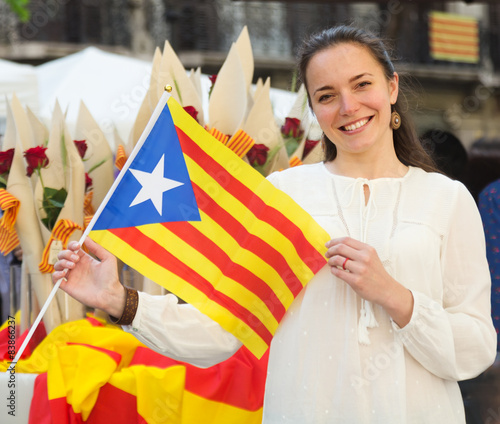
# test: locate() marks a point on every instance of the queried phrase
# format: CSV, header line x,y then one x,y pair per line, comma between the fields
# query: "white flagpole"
x,y
156,113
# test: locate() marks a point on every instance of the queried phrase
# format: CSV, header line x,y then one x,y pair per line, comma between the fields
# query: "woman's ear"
x,y
394,88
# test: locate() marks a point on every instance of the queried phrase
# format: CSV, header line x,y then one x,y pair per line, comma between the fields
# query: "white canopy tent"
x,y
20,80
112,87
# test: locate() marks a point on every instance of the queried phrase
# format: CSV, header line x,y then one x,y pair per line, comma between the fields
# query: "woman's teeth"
x,y
356,125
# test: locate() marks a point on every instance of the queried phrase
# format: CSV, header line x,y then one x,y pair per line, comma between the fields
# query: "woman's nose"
x,y
348,104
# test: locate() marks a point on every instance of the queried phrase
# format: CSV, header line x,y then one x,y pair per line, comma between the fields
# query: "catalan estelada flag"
x,y
189,214
453,37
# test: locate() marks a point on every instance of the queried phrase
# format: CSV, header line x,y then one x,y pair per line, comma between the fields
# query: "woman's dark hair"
x,y
407,145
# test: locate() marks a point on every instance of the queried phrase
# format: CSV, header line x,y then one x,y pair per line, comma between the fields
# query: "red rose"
x,y
81,145
258,154
309,145
6,160
291,128
88,182
36,159
192,111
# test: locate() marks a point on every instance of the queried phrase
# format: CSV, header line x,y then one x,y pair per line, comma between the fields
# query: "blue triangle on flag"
x,y
130,205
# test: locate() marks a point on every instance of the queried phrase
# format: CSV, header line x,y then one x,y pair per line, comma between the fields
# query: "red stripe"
x,y
251,242
157,253
230,269
311,257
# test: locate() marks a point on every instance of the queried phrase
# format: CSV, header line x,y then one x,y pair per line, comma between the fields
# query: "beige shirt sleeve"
x,y
181,332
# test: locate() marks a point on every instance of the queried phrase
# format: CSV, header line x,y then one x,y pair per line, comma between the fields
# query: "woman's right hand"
x,y
93,282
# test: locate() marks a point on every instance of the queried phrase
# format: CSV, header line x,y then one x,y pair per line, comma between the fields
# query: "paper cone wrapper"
x,y
98,150
9,137
315,155
39,130
117,138
195,77
300,111
66,170
227,106
141,120
244,47
300,108
23,125
28,230
261,126
154,93
172,72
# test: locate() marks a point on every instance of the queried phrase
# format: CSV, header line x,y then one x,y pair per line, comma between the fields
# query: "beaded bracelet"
x,y
131,304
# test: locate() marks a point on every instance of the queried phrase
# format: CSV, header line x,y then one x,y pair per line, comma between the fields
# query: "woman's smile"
x,y
352,127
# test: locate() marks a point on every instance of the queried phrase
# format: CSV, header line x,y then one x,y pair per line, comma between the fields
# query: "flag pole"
x,y
159,107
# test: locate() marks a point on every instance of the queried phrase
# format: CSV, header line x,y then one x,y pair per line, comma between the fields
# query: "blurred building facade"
x,y
453,95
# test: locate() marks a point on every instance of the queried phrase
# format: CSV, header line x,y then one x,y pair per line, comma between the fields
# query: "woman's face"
x,y
351,98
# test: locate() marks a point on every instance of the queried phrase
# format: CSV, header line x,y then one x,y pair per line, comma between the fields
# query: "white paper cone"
x,y
173,72
98,150
227,106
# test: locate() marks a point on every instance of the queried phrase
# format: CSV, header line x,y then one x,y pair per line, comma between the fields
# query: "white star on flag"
x,y
154,184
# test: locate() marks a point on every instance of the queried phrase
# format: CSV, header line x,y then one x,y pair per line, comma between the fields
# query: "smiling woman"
x,y
401,311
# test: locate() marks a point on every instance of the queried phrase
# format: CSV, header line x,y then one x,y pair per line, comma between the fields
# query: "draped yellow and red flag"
x,y
189,214
98,373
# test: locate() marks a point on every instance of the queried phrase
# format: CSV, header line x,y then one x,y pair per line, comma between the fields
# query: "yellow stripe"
x,y
197,261
171,282
196,409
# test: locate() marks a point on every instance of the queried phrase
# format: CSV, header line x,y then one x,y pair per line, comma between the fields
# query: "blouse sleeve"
x,y
454,338
180,331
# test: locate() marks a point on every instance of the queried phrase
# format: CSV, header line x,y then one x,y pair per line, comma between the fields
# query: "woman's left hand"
x,y
358,265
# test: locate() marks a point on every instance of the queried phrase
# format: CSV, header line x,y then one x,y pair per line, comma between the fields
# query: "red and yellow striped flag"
x,y
240,143
191,215
453,38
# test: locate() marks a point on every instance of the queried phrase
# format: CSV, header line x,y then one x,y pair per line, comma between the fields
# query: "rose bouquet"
x,y
27,223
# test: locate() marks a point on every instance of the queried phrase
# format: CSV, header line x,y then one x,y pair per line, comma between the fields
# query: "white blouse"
x,y
326,367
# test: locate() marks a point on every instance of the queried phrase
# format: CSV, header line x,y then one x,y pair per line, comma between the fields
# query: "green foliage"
x,y
20,8
53,202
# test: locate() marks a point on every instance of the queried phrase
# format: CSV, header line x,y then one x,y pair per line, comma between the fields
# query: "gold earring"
x,y
395,120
